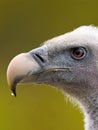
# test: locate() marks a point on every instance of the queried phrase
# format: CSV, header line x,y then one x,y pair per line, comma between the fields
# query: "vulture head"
x,y
68,62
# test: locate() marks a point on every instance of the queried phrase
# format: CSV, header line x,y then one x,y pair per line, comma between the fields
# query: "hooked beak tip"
x,y
13,89
13,93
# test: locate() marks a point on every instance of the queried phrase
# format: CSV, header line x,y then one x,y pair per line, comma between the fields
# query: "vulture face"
x,y
67,62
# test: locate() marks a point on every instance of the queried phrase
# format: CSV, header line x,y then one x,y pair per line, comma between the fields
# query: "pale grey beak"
x,y
20,68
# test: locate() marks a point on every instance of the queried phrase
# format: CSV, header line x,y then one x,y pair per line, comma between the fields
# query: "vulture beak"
x,y
20,68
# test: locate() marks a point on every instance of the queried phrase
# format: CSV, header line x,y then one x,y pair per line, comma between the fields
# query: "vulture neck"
x,y
87,99
91,124
90,110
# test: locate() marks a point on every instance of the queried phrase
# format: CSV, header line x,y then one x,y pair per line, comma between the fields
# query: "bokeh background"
x,y
24,25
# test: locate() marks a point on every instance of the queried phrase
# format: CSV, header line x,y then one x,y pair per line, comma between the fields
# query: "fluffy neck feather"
x,y
90,110
88,102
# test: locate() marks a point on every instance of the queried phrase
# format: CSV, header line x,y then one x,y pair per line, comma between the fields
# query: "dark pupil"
x,y
78,52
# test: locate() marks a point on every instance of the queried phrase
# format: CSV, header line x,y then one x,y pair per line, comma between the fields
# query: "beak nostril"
x,y
41,59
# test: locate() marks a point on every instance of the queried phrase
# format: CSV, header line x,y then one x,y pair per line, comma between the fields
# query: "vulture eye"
x,y
78,53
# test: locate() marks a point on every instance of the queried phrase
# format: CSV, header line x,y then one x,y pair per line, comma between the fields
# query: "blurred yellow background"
x,y
24,24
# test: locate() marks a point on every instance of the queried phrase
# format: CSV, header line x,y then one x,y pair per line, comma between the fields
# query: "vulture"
x,y
68,62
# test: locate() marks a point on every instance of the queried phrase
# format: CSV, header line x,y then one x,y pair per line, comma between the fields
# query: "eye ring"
x,y
78,53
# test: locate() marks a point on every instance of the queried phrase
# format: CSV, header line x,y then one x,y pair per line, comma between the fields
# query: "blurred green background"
x,y
24,24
